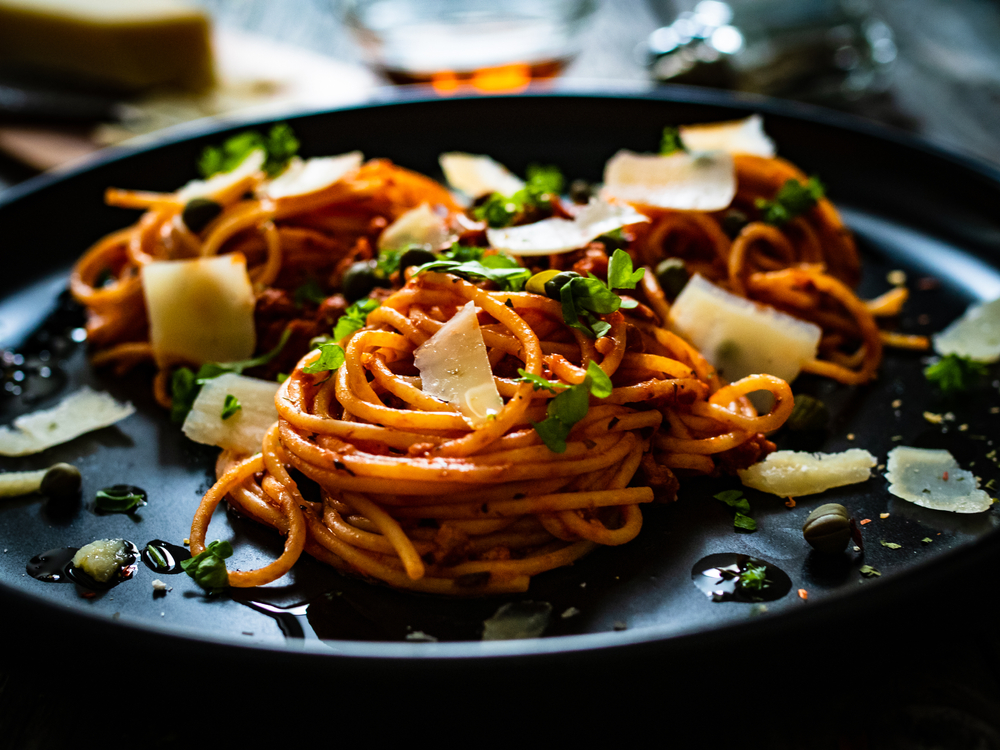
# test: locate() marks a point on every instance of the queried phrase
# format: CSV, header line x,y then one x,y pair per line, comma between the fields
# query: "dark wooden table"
x,y
925,675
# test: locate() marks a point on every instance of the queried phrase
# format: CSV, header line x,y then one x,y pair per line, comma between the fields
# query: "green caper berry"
x,y
733,222
672,275
199,213
415,256
554,285
828,528
359,280
61,482
808,414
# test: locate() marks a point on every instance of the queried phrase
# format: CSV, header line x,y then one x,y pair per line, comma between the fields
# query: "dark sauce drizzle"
x,y
171,554
56,566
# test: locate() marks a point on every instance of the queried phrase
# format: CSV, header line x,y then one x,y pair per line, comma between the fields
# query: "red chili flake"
x,y
803,594
865,520
790,503
945,476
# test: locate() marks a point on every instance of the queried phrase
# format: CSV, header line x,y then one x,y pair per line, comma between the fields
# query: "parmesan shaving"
x,y
102,559
975,335
302,177
933,479
681,180
419,226
81,412
242,432
795,473
739,337
478,175
745,136
557,235
454,367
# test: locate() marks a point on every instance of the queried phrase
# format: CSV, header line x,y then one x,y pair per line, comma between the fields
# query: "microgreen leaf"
x,y
183,391
735,500
310,291
868,571
118,499
539,383
543,184
671,141
354,318
230,406
754,577
794,198
503,271
570,406
331,357
620,273
954,373
208,569
211,370
279,146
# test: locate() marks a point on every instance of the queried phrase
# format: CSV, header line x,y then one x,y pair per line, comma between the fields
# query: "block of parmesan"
x,y
123,45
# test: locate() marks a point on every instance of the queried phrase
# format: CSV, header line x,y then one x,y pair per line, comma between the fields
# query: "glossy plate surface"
x,y
912,207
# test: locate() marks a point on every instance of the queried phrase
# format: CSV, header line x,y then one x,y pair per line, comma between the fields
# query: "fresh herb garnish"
x,y
890,545
463,253
185,384
310,291
119,499
868,571
502,270
230,406
208,569
354,318
754,577
570,406
620,273
543,185
734,499
539,383
279,146
331,357
954,373
671,141
794,198
388,262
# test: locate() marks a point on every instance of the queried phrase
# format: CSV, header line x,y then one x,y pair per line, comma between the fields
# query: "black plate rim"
x,y
638,642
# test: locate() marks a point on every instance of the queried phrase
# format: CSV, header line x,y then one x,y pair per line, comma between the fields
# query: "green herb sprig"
x,y
309,291
330,358
734,499
501,269
954,373
118,499
671,141
794,198
544,184
230,406
753,577
569,407
354,318
279,146
208,569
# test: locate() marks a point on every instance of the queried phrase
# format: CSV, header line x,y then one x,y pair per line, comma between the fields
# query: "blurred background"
x,y
931,67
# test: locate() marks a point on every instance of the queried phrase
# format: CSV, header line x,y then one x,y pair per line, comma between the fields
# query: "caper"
x,y
828,528
199,213
61,482
360,278
536,284
672,275
554,285
808,414
733,222
415,256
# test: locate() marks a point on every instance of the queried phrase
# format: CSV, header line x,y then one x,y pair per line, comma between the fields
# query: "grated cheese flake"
x,y
306,176
744,136
419,226
796,473
681,180
477,175
79,413
933,479
975,335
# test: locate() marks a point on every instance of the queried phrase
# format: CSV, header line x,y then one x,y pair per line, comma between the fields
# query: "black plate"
x,y
912,206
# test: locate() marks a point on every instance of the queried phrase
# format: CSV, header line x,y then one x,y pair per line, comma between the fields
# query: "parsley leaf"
x,y
734,499
954,373
620,273
754,577
388,262
279,146
671,141
209,568
183,392
540,383
793,199
570,406
230,406
119,499
331,357
500,269
463,253
581,298
354,318
543,185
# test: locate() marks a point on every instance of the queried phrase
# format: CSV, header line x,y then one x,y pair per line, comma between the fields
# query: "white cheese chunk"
x,y
102,559
975,335
81,412
455,368
933,479
685,181
305,176
740,337
419,226
795,473
219,186
478,175
557,235
200,310
244,430
745,136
